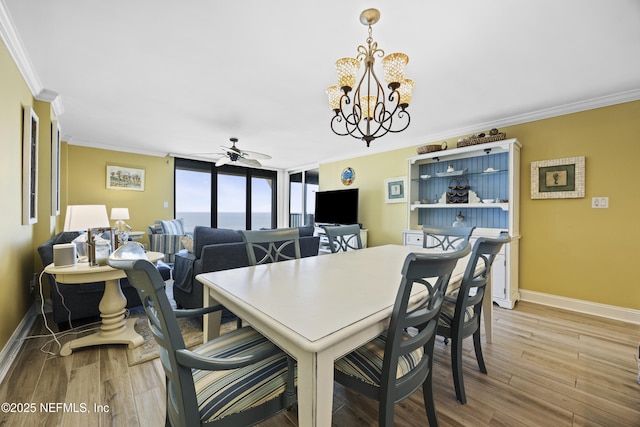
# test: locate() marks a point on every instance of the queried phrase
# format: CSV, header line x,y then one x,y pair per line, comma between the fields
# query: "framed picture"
x,y
121,178
29,167
395,190
55,168
558,179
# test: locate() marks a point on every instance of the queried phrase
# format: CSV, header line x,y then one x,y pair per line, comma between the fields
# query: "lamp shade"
x,y
394,64
120,213
347,69
83,217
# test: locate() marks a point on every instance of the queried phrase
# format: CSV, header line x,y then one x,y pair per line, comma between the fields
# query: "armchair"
x,y
165,236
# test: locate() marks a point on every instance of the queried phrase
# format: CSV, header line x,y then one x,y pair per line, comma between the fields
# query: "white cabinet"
x,y
491,174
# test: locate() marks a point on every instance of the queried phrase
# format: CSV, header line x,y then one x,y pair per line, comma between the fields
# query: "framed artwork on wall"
x,y
121,178
29,167
558,178
55,168
395,190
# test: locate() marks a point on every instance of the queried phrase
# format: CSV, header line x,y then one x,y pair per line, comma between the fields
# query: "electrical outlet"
x,y
600,202
33,283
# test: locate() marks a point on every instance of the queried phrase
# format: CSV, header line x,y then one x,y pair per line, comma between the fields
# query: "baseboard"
x,y
609,311
12,347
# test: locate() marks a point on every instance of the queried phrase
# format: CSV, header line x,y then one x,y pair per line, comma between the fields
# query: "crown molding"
x,y
17,51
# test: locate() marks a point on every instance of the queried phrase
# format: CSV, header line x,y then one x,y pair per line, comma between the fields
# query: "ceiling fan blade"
x,y
223,161
249,162
256,155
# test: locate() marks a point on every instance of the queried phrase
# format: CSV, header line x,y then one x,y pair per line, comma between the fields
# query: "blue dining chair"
x,y
343,238
461,310
237,379
445,238
394,365
266,246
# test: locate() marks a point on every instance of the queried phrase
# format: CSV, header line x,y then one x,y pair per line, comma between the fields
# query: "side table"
x,y
115,329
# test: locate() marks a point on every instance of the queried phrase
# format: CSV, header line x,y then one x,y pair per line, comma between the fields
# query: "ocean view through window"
x,y
230,197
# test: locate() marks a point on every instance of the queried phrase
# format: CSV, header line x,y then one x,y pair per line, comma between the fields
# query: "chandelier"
x,y
369,113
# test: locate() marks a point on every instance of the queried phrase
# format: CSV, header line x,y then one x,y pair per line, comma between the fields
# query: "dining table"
x,y
317,309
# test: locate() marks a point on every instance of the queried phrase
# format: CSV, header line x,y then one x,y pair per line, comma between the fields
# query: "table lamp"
x,y
86,218
120,214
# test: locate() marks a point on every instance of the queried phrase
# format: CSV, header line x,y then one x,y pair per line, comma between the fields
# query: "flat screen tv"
x,y
337,207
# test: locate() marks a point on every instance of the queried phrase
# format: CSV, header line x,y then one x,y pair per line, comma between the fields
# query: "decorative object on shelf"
x,y
491,170
366,115
430,148
558,179
121,178
459,222
458,191
452,173
347,176
481,138
395,189
425,176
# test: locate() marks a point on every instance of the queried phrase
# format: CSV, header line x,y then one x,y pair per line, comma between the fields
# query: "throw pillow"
x,y
173,226
187,242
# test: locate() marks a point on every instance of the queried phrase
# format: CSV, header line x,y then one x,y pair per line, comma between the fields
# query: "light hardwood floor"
x,y
547,367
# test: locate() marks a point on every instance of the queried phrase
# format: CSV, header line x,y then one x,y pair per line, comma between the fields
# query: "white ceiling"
x,y
161,76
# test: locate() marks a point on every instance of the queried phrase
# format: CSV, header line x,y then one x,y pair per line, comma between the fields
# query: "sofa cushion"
x,y
172,226
306,231
203,236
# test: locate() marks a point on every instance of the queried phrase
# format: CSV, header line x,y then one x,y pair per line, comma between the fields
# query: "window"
x,y
302,201
226,197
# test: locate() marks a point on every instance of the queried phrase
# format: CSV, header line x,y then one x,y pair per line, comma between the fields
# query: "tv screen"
x,y
337,206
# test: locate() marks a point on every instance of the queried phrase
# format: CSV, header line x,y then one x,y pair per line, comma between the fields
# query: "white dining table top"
x,y
316,301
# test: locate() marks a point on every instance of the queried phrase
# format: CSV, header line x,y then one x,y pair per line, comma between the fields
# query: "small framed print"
x,y
395,189
121,178
558,179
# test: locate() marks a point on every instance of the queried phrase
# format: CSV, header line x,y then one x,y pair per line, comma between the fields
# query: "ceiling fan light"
x,y
334,97
347,69
368,106
393,65
405,92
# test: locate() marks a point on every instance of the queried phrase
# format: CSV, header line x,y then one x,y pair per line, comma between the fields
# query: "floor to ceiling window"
x,y
226,197
302,200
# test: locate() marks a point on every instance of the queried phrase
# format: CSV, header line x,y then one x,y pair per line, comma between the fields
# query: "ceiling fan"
x,y
234,154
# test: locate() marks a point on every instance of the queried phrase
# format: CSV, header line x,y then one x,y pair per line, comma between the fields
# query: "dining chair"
x,y
461,310
343,238
445,238
394,365
266,246
237,379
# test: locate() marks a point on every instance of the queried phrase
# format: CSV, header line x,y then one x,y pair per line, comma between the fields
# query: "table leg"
x,y
315,389
487,310
115,329
212,321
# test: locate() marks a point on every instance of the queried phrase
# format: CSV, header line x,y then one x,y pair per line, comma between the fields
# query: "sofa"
x,y
80,302
216,249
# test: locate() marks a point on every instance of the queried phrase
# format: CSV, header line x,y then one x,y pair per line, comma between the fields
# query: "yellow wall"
x,y
16,242
85,179
567,249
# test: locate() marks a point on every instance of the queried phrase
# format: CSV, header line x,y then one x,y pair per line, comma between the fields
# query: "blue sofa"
x,y
216,249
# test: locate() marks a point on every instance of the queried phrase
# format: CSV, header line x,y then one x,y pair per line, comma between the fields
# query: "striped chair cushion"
x,y
365,363
168,244
221,393
449,309
173,226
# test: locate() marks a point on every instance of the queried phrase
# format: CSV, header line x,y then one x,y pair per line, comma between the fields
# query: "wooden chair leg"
x,y
456,366
427,393
478,348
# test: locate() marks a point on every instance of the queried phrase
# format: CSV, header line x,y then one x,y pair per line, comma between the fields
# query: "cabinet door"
x,y
499,277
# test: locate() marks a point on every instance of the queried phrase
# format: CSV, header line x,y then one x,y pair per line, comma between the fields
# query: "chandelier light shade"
x,y
369,113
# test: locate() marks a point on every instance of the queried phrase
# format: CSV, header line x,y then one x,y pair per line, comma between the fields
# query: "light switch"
x,y
166,204
600,202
